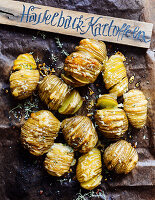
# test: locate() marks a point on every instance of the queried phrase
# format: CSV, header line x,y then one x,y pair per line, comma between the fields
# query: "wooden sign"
x,y
85,25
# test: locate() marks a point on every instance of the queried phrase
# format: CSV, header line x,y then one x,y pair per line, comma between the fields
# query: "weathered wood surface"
x,y
80,24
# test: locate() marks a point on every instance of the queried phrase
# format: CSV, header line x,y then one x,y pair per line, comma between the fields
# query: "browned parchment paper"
x,y
22,176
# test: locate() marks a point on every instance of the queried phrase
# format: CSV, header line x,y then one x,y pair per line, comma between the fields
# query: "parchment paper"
x,y
22,176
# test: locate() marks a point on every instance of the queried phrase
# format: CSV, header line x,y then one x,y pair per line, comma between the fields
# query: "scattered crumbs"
x,y
137,84
37,60
6,91
18,106
130,136
90,91
89,114
105,179
145,138
60,67
31,52
135,145
62,180
44,69
91,104
41,192
131,80
86,97
53,70
53,57
27,108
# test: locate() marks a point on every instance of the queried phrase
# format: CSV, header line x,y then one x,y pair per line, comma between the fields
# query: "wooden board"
x,y
85,25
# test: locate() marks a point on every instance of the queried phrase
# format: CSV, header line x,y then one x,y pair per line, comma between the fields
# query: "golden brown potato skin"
x,y
120,157
135,106
57,95
53,91
80,133
24,81
112,122
59,159
39,132
83,66
114,75
89,168
24,61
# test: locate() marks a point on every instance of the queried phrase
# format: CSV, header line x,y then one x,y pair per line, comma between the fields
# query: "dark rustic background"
x,y
22,176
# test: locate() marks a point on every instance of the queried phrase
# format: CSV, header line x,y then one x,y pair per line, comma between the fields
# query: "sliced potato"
x,y
106,101
71,81
71,104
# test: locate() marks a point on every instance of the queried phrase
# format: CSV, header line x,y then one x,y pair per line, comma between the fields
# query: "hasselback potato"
x,y
39,132
120,157
80,133
135,106
112,122
57,95
114,75
24,81
89,168
59,159
83,66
